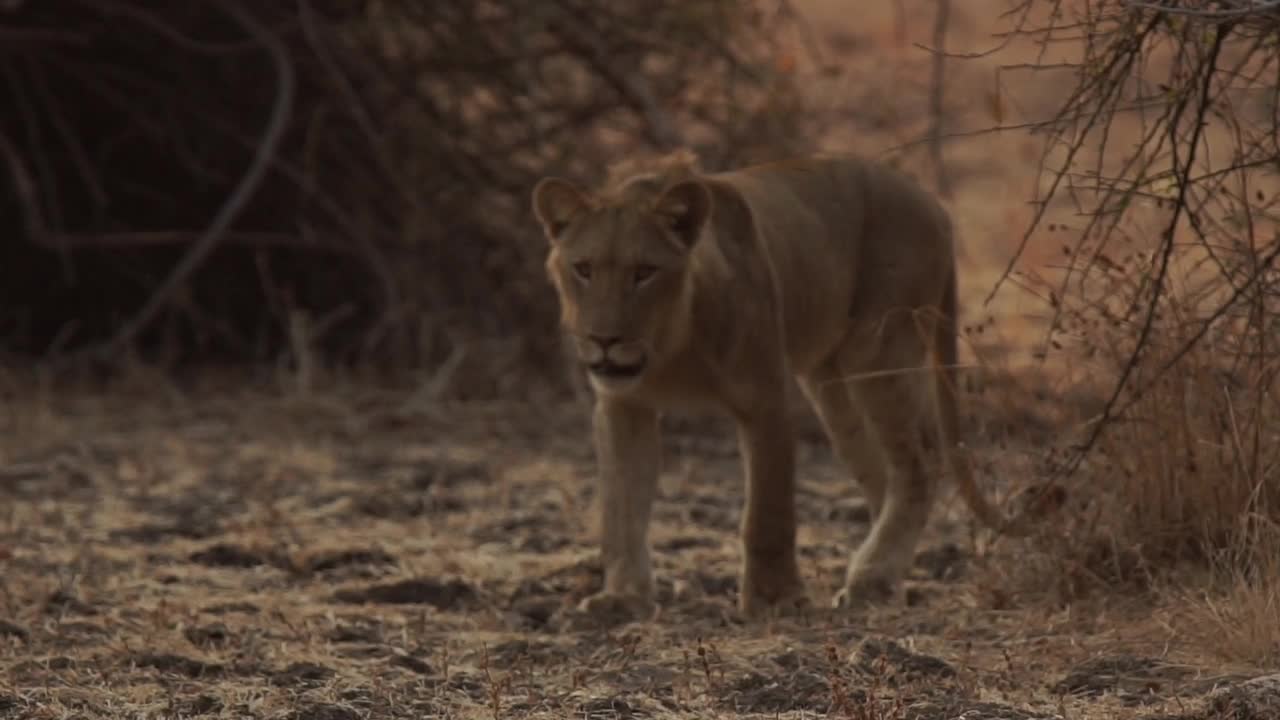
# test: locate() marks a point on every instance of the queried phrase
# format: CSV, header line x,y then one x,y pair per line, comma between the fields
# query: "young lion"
x,y
680,289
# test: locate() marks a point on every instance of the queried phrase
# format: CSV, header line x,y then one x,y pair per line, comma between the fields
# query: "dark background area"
x,y
393,214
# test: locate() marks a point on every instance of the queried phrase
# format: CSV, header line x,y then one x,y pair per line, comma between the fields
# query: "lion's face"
x,y
619,270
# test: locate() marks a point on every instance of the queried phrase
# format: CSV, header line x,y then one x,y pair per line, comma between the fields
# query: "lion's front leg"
x,y
628,453
770,576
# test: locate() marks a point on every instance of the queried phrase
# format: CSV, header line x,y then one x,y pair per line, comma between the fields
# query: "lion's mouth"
x,y
615,371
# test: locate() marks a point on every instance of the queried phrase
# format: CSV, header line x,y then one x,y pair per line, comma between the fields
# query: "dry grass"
x,y
1236,612
1188,468
1178,500
233,551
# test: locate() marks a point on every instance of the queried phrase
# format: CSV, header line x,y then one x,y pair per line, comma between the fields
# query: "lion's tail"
x,y
947,349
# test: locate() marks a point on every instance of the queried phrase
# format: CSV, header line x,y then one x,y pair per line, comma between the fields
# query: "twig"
x,y
1241,10
1118,65
24,187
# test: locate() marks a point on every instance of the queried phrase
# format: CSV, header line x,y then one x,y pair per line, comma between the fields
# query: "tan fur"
x,y
680,289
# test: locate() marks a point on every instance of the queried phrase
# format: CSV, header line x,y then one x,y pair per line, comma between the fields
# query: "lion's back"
x,y
845,238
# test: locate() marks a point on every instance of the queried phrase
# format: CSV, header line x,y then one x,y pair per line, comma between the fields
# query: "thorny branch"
x,y
1202,108
1212,117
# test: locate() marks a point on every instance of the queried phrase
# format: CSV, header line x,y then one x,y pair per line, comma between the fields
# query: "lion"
x,y
685,290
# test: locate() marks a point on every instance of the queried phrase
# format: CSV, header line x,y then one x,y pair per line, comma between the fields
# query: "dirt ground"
x,y
231,549
221,551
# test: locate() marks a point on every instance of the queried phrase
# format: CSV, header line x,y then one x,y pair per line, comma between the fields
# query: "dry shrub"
x,y
1238,616
1169,295
1190,457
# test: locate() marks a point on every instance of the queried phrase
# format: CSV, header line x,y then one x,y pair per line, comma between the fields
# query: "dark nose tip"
x,y
605,341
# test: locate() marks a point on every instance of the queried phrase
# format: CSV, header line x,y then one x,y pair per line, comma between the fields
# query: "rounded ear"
x,y
684,208
555,203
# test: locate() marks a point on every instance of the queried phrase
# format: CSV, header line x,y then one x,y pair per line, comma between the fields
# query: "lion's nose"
x,y
604,341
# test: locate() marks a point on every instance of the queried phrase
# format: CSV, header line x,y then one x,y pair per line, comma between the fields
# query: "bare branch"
x,y
1158,286
1235,10
227,214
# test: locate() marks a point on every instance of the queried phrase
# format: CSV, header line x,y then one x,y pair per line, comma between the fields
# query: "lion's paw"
x,y
790,605
616,608
781,595
864,592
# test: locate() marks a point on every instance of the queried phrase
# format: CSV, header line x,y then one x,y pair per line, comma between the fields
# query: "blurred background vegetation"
x,y
191,181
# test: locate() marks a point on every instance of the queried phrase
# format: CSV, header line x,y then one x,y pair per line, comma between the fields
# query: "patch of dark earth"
x,y
451,594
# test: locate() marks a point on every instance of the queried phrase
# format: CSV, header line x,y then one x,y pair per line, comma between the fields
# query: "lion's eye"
x,y
644,272
582,270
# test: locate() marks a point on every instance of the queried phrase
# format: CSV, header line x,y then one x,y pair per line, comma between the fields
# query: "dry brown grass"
x,y
1235,613
231,550
1179,498
1192,462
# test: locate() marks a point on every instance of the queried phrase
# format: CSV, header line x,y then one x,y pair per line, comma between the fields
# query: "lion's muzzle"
x,y
611,357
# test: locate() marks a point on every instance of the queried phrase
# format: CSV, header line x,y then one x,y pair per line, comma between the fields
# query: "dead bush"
x,y
1169,294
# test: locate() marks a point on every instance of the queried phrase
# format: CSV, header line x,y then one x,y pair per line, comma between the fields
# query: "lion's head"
x,y
619,261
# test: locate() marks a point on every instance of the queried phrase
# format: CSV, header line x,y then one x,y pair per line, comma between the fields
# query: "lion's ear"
x,y
684,209
555,203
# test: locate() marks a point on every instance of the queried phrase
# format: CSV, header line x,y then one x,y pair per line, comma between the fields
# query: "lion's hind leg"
x,y
889,384
829,394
